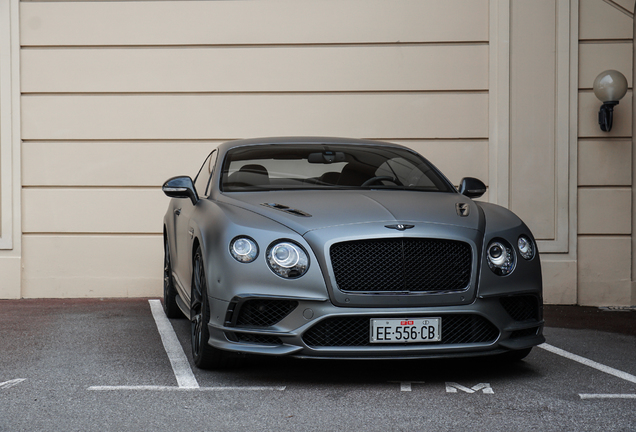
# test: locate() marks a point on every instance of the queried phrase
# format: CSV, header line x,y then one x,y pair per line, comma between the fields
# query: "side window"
x,y
202,180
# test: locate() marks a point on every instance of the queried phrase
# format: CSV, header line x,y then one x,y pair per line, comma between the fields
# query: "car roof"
x,y
302,140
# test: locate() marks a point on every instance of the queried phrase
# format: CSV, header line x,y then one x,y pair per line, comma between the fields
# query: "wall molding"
x,y
633,248
10,182
499,103
565,129
566,132
7,89
620,8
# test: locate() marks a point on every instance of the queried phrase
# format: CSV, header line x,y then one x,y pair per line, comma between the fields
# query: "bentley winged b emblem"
x,y
463,209
399,227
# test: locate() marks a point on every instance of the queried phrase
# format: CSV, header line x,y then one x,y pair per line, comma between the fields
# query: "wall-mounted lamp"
x,y
609,86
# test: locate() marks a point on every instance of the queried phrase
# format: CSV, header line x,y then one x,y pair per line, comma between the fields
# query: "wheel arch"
x,y
195,245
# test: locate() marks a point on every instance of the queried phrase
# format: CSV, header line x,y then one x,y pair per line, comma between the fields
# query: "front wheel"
x,y
169,292
205,356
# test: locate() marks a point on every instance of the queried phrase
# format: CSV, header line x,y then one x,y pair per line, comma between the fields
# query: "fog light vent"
x,y
264,312
521,308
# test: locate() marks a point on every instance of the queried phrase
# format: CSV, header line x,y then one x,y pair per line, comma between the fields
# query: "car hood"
x,y
308,210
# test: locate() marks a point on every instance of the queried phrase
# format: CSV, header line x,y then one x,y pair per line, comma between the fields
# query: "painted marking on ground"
x,y
607,396
405,386
171,388
178,359
180,365
452,387
591,363
8,384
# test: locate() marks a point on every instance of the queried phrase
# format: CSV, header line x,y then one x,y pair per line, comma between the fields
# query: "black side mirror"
x,y
472,187
181,187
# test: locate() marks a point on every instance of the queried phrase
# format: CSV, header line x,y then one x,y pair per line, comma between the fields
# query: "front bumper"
x,y
318,329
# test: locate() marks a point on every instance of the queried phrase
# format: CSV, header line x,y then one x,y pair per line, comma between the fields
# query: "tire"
x,y
204,355
169,292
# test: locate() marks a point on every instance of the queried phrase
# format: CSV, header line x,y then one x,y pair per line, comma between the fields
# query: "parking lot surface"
x,y
102,365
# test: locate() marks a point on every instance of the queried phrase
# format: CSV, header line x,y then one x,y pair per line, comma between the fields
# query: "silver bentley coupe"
x,y
341,248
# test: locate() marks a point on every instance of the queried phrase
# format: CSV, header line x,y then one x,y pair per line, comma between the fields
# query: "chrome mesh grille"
x,y
401,264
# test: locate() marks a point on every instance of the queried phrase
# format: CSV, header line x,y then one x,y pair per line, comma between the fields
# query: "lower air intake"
x,y
354,331
521,308
264,312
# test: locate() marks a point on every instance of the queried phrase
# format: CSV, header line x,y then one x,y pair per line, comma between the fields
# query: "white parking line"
x,y
9,384
590,363
168,388
180,366
607,396
405,386
178,359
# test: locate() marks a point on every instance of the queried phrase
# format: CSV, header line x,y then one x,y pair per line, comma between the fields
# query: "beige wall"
x,y
118,96
108,115
10,229
541,159
605,159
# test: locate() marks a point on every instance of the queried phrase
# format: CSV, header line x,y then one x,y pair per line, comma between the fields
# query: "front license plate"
x,y
406,330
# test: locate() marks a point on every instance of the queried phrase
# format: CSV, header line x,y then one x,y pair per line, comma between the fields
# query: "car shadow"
x,y
259,370
263,371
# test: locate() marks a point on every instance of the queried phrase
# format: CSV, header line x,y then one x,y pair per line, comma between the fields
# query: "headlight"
x,y
526,247
500,257
243,249
287,259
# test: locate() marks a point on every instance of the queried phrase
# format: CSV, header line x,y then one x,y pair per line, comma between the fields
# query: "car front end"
x,y
389,289
332,248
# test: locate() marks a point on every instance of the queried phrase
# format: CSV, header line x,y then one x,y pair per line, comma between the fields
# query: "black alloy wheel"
x,y
169,292
205,356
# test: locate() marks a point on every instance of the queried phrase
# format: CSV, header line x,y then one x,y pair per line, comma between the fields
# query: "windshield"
x,y
319,166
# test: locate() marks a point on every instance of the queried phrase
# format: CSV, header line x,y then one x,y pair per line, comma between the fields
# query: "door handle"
x,y
177,211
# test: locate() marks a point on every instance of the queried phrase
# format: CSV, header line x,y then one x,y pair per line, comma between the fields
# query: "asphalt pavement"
x,y
111,365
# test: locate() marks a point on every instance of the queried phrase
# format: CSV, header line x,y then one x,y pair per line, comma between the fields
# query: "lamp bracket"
x,y
606,115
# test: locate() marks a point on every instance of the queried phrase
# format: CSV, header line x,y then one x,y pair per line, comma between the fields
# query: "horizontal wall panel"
x,y
110,163
605,211
146,163
92,266
589,106
628,5
599,20
11,271
595,58
534,116
559,280
83,210
246,69
605,163
604,271
252,22
455,159
384,115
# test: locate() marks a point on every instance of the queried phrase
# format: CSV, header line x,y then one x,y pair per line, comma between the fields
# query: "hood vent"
x,y
286,209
